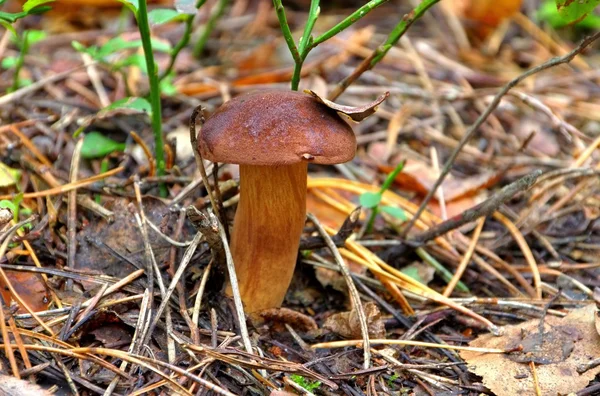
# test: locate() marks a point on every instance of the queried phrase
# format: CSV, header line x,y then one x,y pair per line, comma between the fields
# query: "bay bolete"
x,y
272,135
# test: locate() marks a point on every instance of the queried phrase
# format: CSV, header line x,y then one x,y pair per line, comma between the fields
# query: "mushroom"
x,y
272,135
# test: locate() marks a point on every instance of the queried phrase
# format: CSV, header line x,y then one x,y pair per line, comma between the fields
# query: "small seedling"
x,y
306,384
549,13
96,145
575,11
372,200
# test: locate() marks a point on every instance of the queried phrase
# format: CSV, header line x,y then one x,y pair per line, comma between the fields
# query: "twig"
x,y
354,296
235,290
197,113
72,212
488,111
187,257
483,209
338,239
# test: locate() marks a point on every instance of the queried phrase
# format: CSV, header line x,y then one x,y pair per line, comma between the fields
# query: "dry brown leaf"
x,y
484,15
419,177
358,113
29,286
347,325
566,343
11,386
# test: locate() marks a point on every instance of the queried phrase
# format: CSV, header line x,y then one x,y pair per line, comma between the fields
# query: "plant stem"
x,y
144,27
348,21
210,25
377,55
185,39
20,61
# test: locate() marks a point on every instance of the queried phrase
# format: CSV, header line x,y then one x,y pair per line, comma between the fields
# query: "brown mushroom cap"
x,y
276,128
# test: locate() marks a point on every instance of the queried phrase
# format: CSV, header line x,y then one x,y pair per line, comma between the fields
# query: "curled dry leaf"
x,y
564,344
347,325
6,216
11,386
356,114
30,287
297,320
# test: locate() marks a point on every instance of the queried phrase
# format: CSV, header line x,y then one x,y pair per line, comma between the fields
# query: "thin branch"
x,y
354,296
488,111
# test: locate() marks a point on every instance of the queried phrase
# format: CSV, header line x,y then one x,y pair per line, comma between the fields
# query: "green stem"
x,y
401,28
185,39
144,27
447,275
313,14
20,61
348,21
210,26
287,33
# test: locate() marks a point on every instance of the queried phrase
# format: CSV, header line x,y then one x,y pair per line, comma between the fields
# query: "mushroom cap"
x,y
276,128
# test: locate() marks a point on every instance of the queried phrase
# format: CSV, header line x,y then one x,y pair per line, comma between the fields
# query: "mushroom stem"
x,y
266,233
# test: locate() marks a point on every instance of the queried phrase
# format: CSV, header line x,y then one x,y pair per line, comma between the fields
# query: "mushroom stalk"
x,y
266,233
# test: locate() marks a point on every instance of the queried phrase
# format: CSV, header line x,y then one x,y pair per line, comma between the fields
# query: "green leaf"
x,y
117,44
133,5
6,204
392,176
398,213
370,199
133,60
31,4
306,384
35,36
159,16
549,14
8,175
576,10
8,62
96,145
167,87
133,103
8,26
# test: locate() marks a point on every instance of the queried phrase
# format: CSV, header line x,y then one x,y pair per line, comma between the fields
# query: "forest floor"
x,y
474,267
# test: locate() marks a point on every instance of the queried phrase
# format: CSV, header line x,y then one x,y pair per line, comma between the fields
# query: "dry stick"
x,y
235,290
488,111
347,343
354,296
465,260
72,211
485,208
187,257
199,161
8,236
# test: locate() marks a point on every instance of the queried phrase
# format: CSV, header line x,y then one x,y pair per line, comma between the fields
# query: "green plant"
x,y
306,384
210,25
575,11
23,42
30,7
307,42
372,200
550,14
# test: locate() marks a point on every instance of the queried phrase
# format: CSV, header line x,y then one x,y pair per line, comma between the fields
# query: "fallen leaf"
x,y
565,344
29,286
358,113
11,386
8,175
347,325
484,15
419,177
